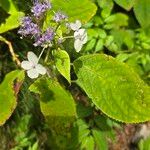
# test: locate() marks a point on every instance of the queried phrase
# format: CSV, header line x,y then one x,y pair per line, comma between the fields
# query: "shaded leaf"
x,y
126,4
57,105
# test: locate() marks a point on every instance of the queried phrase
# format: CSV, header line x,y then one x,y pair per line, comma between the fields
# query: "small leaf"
x,y
114,88
100,139
74,9
106,6
88,143
62,61
99,45
126,4
141,10
8,94
57,104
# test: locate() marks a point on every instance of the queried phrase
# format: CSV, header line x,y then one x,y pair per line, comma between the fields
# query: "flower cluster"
x,y
59,17
80,35
52,36
28,27
40,8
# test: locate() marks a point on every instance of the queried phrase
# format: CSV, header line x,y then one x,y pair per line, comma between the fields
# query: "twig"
x,y
14,56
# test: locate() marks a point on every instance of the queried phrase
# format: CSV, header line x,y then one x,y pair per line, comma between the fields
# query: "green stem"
x,y
41,53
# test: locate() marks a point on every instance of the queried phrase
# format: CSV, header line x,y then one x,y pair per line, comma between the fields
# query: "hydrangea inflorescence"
x,y
34,25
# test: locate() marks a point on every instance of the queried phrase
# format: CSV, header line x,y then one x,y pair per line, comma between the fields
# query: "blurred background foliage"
x,y
119,28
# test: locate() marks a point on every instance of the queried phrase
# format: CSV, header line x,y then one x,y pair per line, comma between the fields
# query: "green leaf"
x,y
8,6
99,45
144,144
116,20
11,22
88,143
126,4
8,94
114,88
100,139
74,9
141,10
62,61
106,6
57,104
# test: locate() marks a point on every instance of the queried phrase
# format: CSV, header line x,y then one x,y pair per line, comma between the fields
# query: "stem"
x,y
68,37
46,58
14,56
41,53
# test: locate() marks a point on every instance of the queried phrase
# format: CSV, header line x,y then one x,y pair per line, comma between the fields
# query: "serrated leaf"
x,y
57,104
114,88
141,10
11,22
126,4
8,94
74,9
62,61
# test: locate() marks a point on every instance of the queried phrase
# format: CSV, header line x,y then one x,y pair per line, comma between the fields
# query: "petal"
x,y
75,26
82,31
32,73
26,65
32,58
40,69
78,45
85,38
80,34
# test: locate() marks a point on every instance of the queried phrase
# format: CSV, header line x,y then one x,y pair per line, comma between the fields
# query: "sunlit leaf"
x,y
114,88
9,89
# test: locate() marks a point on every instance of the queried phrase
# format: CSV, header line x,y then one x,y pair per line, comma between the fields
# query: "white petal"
x,y
32,58
32,73
82,31
80,34
75,26
78,45
26,65
40,69
85,38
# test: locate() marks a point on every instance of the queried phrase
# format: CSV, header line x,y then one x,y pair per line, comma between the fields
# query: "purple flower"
x,y
28,27
39,8
59,17
45,38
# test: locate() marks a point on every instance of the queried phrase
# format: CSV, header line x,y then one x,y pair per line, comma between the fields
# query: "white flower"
x,y
32,66
80,35
75,26
80,39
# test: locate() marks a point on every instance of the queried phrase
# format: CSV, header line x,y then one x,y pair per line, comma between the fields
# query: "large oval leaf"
x,y
141,10
8,94
74,9
114,88
57,105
